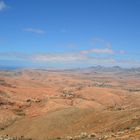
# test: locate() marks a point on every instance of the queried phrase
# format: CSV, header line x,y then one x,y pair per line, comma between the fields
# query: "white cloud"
x,y
76,58
69,58
101,46
34,30
2,5
59,57
98,51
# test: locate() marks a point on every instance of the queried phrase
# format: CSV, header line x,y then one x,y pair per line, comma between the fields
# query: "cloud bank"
x,y
69,59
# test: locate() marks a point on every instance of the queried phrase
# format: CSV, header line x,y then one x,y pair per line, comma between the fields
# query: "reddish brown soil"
x,y
42,104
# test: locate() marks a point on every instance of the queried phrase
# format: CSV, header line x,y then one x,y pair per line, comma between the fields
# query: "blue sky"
x,y
69,33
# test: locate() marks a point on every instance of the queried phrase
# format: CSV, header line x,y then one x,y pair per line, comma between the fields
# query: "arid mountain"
x,y
93,103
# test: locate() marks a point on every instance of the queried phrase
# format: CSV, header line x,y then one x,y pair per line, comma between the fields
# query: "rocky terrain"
x,y
94,103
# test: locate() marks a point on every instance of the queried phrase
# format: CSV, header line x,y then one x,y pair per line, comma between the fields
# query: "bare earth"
x,y
70,104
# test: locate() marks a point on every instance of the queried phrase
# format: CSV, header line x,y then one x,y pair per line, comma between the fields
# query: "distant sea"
x,y
9,67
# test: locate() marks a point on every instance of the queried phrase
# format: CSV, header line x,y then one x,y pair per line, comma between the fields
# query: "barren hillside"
x,y
42,104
